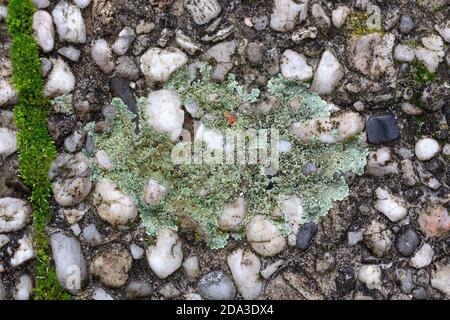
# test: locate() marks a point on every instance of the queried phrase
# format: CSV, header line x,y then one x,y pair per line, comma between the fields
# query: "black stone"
x,y
407,242
382,129
121,89
306,236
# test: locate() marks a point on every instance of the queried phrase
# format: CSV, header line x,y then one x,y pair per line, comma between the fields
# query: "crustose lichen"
x,y
198,192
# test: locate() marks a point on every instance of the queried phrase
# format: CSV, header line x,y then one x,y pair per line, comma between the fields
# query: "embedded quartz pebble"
x,y
391,206
164,113
14,214
112,265
328,74
286,13
245,267
203,11
24,251
71,270
8,94
166,256
61,80
330,130
158,64
102,55
232,215
113,205
70,176
295,67
265,237
44,30
69,22
8,142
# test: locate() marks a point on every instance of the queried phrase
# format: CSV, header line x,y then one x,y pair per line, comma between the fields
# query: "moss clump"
x,y
417,79
357,24
36,148
198,192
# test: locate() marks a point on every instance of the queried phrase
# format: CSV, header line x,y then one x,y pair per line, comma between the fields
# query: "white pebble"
x,y
427,149
245,267
392,207
8,94
43,30
124,41
136,252
423,257
113,205
328,74
24,252
164,113
265,237
294,66
8,142
24,288
69,22
404,53
70,53
370,275
166,256
232,215
14,214
158,64
60,80
192,268
102,55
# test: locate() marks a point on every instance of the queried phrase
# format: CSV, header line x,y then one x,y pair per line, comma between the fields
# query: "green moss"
x,y
36,148
356,24
420,74
138,157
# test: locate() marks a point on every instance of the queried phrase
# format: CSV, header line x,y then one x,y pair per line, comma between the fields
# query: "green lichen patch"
x,y
358,24
198,192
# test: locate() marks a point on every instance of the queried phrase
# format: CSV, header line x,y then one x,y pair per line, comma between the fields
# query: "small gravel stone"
x,y
264,237
8,94
14,214
69,22
166,256
70,53
164,113
70,264
232,215
406,24
426,149
377,238
102,55
158,64
382,129
245,267
60,80
370,275
24,252
113,205
339,16
91,235
404,276
392,207
403,52
203,11
328,74
381,163
43,30
216,285
355,237
138,290
101,295
407,242
112,265
306,236
423,257
440,278
286,13
434,221
294,66
136,251
192,268
124,41
24,288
